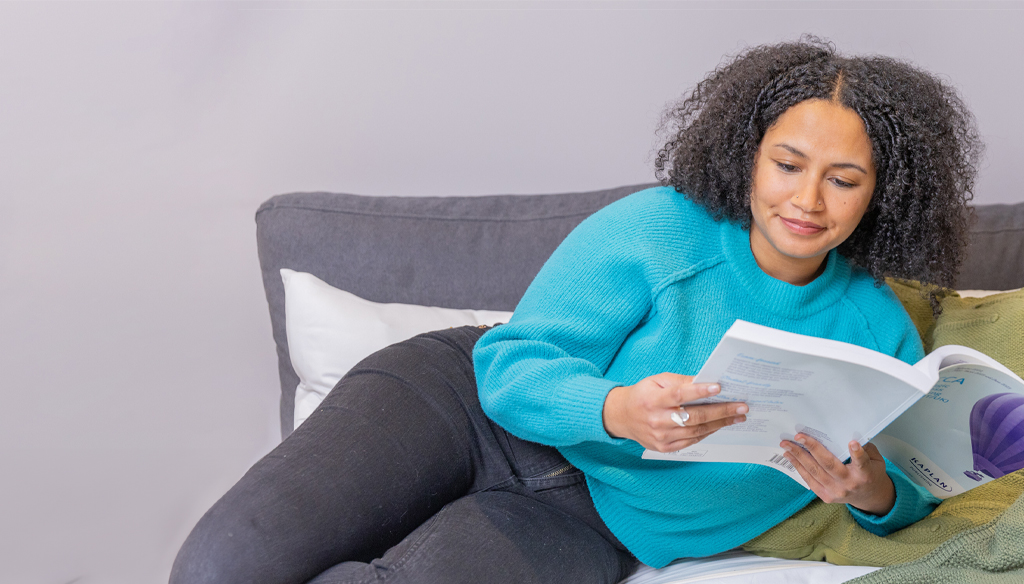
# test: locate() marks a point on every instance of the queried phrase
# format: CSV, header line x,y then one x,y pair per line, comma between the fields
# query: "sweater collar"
x,y
780,297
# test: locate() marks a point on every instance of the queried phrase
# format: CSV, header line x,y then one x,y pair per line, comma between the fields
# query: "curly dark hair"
x,y
925,148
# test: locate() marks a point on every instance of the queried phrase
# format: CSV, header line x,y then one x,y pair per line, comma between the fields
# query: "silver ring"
x,y
680,417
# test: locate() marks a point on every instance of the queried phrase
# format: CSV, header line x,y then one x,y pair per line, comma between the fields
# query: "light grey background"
x,y
137,139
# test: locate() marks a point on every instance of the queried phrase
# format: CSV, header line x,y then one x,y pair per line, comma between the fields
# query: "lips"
x,y
801,227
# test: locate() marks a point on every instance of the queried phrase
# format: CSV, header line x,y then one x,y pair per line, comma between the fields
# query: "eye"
x,y
842,183
787,167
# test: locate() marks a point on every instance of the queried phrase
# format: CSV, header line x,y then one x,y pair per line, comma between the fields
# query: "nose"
x,y
808,198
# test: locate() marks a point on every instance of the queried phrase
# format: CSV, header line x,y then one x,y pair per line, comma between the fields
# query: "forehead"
x,y
822,128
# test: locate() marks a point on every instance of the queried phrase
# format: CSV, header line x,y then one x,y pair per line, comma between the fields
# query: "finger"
x,y
873,453
671,380
665,435
809,477
706,413
708,428
825,459
811,465
859,459
682,392
678,445
692,434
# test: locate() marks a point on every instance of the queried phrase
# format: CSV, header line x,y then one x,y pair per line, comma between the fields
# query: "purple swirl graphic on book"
x,y
997,434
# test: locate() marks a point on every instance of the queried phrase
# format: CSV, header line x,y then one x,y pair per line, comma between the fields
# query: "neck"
x,y
795,271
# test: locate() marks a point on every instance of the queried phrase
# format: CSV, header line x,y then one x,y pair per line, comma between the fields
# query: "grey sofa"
x,y
482,252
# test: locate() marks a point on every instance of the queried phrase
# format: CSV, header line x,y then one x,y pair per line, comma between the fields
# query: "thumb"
x,y
873,453
858,457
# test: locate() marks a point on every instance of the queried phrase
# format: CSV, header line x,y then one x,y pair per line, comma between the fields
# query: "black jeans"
x,y
399,476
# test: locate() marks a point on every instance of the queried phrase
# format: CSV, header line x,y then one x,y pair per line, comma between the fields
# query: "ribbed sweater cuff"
x,y
584,408
912,504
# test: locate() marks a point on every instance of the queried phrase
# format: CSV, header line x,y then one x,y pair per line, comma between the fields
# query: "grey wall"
x,y
137,139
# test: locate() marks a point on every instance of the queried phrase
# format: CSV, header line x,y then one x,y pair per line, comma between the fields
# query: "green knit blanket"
x,y
977,536
990,553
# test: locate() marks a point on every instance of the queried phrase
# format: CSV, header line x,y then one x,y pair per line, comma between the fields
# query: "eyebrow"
x,y
834,165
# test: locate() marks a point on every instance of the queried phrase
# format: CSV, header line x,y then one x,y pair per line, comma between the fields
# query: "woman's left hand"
x,y
861,483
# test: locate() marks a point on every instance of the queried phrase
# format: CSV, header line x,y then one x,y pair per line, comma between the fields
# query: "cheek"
x,y
759,205
853,211
755,200
768,192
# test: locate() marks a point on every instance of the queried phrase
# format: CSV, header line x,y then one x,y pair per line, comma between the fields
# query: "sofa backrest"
x,y
483,252
995,257
454,252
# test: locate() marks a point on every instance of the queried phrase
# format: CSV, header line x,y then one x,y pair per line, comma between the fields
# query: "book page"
x,y
967,431
949,355
798,389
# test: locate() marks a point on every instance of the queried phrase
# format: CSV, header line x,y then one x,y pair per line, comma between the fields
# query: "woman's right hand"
x,y
643,412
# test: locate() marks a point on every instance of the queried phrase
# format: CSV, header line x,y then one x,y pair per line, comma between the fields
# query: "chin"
x,y
802,252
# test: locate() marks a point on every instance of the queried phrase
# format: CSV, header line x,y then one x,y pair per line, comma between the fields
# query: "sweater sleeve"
x,y
542,375
913,503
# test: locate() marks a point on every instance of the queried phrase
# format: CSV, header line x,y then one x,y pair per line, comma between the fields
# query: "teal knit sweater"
x,y
648,285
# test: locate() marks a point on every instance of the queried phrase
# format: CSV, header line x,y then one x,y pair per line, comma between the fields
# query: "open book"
x,y
951,422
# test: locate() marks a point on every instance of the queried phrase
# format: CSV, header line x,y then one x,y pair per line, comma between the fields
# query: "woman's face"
x,y
813,179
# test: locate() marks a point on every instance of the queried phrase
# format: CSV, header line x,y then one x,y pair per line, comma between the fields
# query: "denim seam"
x,y
502,485
390,571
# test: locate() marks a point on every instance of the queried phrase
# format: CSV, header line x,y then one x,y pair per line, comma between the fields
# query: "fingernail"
x,y
739,419
854,447
714,388
800,439
742,409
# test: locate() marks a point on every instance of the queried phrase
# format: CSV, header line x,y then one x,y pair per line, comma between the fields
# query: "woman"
x,y
808,177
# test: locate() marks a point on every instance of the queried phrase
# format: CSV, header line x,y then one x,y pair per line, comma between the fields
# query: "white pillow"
x,y
330,330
